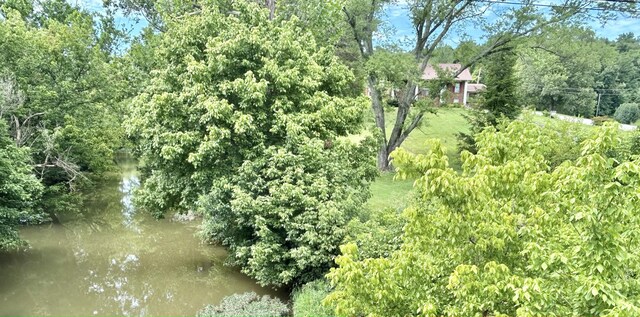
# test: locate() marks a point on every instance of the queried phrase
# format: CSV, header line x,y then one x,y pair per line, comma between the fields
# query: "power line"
x,y
546,5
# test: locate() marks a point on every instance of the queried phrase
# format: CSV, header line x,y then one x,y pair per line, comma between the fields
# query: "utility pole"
x,y
598,105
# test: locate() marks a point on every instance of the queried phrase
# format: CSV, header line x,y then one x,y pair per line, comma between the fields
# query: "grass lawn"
x,y
444,125
389,193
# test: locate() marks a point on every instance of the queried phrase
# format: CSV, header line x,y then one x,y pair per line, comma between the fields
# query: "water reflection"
x,y
128,184
113,287
112,260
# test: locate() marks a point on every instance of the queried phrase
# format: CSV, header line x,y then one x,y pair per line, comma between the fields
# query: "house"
x,y
458,90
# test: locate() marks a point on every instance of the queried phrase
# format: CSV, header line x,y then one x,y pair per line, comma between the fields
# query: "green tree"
x,y
510,236
627,113
59,58
434,21
498,100
571,71
19,190
246,122
68,116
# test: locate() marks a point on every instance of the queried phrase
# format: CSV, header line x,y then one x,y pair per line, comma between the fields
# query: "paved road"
x,y
623,127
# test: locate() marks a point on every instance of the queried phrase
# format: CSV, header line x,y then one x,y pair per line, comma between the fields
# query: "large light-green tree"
x,y
510,235
247,122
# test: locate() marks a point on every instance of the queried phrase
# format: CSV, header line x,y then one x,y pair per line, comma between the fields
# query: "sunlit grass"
x,y
444,125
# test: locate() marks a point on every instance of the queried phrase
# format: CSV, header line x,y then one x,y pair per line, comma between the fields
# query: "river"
x,y
113,260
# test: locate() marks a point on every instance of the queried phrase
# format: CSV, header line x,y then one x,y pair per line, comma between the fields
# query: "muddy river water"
x,y
112,260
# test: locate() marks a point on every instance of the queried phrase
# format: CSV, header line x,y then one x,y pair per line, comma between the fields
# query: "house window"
x,y
457,88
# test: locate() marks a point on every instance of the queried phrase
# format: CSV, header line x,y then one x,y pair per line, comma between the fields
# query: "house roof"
x,y
431,73
473,88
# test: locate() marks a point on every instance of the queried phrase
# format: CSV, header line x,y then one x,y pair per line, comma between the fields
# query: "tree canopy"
x,y
246,123
60,99
19,190
510,236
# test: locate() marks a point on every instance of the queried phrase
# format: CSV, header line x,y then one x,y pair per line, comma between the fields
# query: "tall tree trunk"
x,y
383,159
378,111
271,5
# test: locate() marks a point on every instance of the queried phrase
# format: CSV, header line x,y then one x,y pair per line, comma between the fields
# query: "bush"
x,y
247,304
393,102
634,143
20,190
378,235
307,301
600,120
627,113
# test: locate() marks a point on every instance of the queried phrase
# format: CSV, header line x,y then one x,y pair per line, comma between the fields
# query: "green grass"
x,y
389,193
444,125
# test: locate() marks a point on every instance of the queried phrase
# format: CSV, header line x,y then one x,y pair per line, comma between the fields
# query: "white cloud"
x,y
616,27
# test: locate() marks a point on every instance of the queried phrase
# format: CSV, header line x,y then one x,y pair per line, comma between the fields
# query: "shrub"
x,y
247,304
600,120
20,190
307,301
627,113
379,234
634,143
393,102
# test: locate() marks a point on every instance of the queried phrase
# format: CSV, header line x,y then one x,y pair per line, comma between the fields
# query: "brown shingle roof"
x,y
430,72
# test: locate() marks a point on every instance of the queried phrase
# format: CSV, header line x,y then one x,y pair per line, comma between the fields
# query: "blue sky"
x,y
397,17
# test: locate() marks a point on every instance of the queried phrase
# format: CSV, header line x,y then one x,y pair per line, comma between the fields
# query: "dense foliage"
x,y
498,101
307,301
627,113
509,236
19,190
246,123
60,93
500,98
247,304
253,118
572,71
68,115
376,232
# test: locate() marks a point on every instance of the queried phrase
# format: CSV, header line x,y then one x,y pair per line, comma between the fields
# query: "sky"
x,y
400,30
397,16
